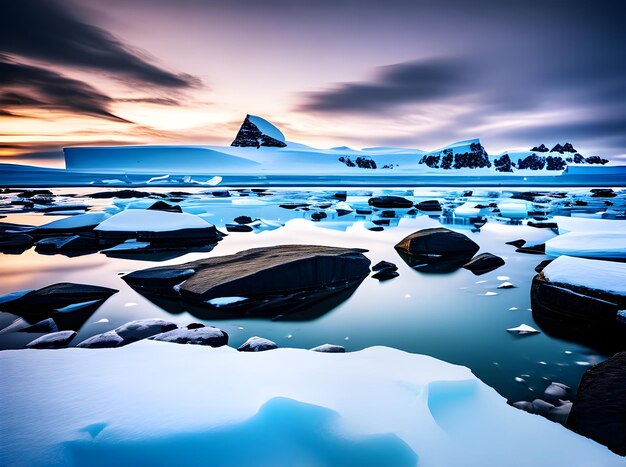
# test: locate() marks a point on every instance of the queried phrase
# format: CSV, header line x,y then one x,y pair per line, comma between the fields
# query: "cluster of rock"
x,y
556,406
362,162
448,159
250,135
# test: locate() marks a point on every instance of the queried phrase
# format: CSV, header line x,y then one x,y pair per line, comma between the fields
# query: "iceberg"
x,y
189,404
587,244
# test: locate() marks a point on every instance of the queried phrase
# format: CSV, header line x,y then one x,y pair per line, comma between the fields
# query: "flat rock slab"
x,y
484,263
268,277
396,202
56,296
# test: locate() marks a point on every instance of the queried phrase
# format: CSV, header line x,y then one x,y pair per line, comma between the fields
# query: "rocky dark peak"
x,y
596,160
567,147
541,148
250,135
362,162
558,148
532,162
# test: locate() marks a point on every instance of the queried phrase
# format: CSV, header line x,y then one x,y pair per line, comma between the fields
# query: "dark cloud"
x,y
26,86
152,100
393,85
48,31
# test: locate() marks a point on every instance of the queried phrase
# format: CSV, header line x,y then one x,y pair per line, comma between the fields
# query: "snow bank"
x,y
157,403
589,244
609,276
136,220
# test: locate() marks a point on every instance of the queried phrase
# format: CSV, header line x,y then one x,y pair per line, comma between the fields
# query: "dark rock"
x,y
293,205
106,340
432,205
31,193
558,148
603,193
47,325
250,135
53,340
467,193
316,216
363,212
238,228
207,335
375,228
347,161
67,244
381,222
329,348
578,159
385,274
18,241
384,265
542,265
124,194
555,163
393,202
163,206
365,162
484,263
503,163
142,329
243,220
257,344
194,325
221,193
341,195
56,296
388,214
541,148
271,278
438,241
580,202
532,162
431,161
539,249
596,160
543,225
599,411
567,147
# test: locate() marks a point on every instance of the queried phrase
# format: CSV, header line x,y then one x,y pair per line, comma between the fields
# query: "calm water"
x,y
457,317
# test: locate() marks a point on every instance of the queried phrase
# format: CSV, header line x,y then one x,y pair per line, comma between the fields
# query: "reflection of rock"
x,y
17,242
257,344
599,411
393,202
54,297
70,245
484,263
54,340
284,277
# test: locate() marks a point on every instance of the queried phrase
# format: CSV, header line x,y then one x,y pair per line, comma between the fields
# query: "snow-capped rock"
x,y
257,132
257,344
207,335
54,340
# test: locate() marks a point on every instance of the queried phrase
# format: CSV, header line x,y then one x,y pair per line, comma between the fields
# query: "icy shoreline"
x,y
188,404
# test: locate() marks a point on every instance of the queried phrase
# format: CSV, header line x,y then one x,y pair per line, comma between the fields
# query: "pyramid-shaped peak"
x,y
256,132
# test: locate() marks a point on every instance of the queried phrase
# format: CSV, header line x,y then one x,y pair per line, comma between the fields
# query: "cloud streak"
x,y
45,30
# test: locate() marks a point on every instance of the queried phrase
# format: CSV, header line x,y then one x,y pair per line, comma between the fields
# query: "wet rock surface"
x,y
484,263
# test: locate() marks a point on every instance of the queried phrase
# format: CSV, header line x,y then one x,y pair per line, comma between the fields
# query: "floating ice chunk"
x,y
137,220
490,294
159,178
588,225
514,210
522,330
503,278
225,301
506,285
102,321
588,245
76,222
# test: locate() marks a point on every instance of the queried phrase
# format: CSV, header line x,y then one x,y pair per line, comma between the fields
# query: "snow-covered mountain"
x,y
260,147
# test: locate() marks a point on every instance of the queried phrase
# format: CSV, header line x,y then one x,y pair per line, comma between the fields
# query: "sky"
x,y
361,73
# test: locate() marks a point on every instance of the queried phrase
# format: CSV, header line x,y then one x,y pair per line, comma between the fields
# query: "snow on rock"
x,y
522,330
257,344
75,223
329,348
256,132
53,340
101,341
137,220
143,328
558,390
152,403
608,276
207,335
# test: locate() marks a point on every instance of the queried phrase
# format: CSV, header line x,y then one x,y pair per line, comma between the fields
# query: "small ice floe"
x,y
489,294
582,363
225,301
522,330
159,178
503,278
568,352
102,321
513,308
541,362
506,285
519,380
